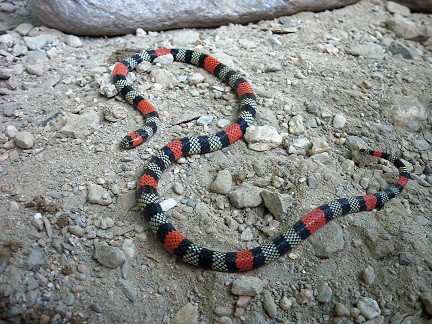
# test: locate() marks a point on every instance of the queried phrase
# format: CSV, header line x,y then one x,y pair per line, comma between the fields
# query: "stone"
x,y
165,78
187,314
77,230
339,121
7,7
80,126
73,41
40,41
96,307
408,112
128,247
109,256
399,48
396,8
196,78
168,204
328,240
278,204
368,307
368,50
269,304
417,5
247,286
127,289
222,184
114,113
368,275
407,29
285,303
35,259
421,144
324,293
296,126
427,302
98,195
262,138
204,120
405,258
95,18
35,69
246,196
24,140
319,146
24,29
341,310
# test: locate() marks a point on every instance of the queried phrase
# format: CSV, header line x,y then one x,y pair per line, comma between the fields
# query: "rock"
x,y
165,78
407,29
106,85
418,5
188,314
128,247
80,126
319,146
40,41
368,308
339,121
73,41
223,311
396,8
427,302
421,144
368,275
98,195
127,289
296,126
246,196
96,307
196,78
77,230
24,140
222,184
106,223
24,29
324,293
114,113
35,260
204,120
109,256
408,112
96,18
367,50
35,69
269,304
7,7
262,138
247,286
5,74
405,258
341,310
406,52
328,240
167,204
278,204
303,143
246,235
285,303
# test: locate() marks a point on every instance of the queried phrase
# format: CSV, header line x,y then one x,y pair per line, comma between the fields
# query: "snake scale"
x,y
148,199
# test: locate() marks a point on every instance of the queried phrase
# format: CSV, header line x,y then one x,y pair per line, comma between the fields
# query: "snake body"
x,y
148,199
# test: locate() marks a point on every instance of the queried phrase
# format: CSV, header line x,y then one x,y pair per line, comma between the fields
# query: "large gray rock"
x,y
117,17
417,5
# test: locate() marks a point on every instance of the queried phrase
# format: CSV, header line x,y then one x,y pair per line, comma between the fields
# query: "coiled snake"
x,y
148,200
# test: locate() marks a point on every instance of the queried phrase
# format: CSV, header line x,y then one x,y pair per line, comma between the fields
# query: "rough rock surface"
x,y
418,5
102,17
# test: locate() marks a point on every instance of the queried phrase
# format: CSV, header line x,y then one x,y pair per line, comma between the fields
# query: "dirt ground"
x,y
325,79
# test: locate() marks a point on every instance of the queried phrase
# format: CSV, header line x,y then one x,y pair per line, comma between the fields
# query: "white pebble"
x,y
167,204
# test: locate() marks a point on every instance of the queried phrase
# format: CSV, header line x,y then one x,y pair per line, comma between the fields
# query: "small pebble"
x,y
368,275
24,140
